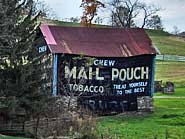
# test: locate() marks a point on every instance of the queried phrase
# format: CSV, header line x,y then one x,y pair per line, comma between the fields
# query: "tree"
x,y
22,68
74,19
119,17
124,12
98,20
175,30
149,10
46,11
155,23
90,11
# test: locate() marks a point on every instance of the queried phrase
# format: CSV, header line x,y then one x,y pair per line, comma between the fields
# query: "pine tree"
x,y
22,68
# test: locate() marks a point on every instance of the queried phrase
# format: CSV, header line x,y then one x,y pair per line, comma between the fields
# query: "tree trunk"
x,y
36,127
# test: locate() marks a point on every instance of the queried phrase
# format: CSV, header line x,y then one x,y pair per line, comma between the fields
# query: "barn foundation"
x,y
145,104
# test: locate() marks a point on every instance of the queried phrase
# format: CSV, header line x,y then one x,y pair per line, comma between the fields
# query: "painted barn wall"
x,y
143,60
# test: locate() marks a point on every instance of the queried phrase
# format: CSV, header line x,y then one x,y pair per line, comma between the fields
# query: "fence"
x,y
171,58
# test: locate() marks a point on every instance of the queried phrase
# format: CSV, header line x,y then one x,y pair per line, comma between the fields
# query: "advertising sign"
x,y
105,84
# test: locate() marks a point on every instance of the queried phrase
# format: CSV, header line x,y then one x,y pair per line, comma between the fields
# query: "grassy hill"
x,y
171,71
167,43
65,24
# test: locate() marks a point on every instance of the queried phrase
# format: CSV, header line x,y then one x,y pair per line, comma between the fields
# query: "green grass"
x,y
169,116
171,71
67,24
154,33
166,43
8,137
179,92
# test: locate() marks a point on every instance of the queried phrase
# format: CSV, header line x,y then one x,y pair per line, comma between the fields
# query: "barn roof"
x,y
98,42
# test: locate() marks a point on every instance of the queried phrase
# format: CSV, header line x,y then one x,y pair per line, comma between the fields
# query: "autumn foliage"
x,y
90,11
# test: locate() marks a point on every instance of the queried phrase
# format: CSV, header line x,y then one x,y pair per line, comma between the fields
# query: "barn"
x,y
107,69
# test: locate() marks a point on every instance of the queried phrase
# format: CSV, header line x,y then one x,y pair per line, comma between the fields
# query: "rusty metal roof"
x,y
98,42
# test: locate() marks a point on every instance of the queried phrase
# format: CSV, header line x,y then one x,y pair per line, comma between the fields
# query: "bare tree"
x,y
119,17
124,12
149,10
74,19
175,30
98,20
155,23
133,10
46,11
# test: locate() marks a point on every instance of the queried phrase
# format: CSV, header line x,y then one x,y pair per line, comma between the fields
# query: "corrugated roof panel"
x,y
99,42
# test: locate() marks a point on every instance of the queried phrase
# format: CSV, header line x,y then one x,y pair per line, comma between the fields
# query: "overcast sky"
x,y
172,13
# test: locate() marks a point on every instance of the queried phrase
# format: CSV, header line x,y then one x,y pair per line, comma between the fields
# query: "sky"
x,y
172,13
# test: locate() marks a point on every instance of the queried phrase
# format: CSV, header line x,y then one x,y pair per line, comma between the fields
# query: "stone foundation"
x,y
69,102
145,104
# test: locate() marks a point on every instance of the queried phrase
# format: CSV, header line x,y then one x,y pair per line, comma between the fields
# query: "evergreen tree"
x,y
22,68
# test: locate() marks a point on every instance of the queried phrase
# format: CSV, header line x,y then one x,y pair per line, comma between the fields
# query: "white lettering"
x,y
91,89
82,74
123,74
80,88
130,73
101,89
86,88
144,72
115,73
96,62
135,73
69,74
97,75
104,63
90,73
112,62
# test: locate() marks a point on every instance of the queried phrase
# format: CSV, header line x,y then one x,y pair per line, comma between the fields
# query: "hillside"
x,y
167,43
65,24
171,71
